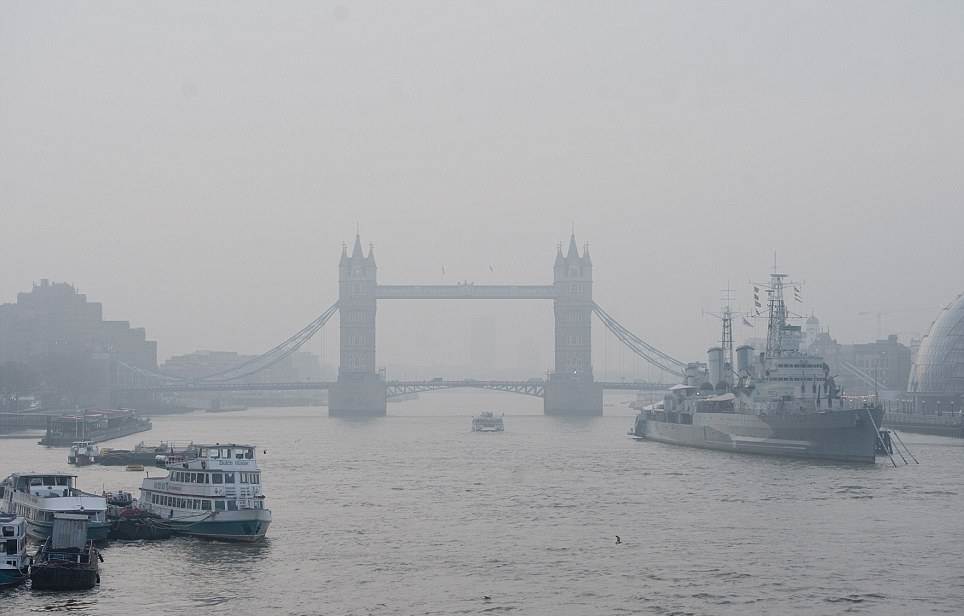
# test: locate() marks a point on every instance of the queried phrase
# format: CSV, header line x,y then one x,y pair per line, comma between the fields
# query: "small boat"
x,y
14,562
82,453
39,497
134,467
146,453
487,422
118,499
67,560
225,409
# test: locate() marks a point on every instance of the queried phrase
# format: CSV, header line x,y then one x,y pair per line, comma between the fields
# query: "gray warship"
x,y
781,402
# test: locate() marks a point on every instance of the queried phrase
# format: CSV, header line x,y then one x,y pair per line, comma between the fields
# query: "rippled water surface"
x,y
414,514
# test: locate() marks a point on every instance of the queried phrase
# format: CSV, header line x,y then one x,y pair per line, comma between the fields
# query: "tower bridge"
x,y
361,389
570,388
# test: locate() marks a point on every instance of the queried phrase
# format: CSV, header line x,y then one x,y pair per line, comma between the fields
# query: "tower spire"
x,y
573,249
356,250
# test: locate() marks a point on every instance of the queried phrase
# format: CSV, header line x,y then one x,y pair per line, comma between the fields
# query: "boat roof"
x,y
36,474
681,386
222,445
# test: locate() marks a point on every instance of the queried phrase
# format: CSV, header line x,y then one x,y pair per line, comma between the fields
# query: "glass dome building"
x,y
937,375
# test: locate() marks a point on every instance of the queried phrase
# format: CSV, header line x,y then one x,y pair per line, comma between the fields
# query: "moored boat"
x,y
14,562
783,402
148,453
39,497
82,453
216,495
67,560
93,424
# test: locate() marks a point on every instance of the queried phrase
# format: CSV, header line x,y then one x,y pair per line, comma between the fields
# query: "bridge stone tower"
x,y
360,390
571,389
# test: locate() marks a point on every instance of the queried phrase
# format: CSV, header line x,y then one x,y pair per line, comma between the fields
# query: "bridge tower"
x,y
571,389
360,390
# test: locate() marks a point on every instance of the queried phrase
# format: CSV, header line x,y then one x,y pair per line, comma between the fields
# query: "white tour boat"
x,y
38,497
215,495
487,422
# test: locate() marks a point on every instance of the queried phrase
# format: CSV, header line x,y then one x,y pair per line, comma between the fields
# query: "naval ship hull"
x,y
845,435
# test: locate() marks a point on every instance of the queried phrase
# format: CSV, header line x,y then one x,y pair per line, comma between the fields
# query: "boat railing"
x,y
81,557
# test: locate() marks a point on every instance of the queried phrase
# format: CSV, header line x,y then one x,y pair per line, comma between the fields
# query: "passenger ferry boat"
x,y
38,497
83,453
216,495
14,562
487,422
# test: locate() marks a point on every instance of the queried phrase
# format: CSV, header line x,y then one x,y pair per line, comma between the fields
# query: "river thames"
x,y
414,514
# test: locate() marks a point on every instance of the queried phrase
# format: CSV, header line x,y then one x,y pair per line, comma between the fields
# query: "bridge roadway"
x,y
531,387
467,290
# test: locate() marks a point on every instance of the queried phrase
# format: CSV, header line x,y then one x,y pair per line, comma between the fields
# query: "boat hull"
x,y
243,526
845,435
47,577
41,530
11,577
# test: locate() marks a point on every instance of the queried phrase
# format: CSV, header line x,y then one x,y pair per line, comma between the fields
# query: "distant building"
x,y
57,332
937,377
53,318
301,366
888,360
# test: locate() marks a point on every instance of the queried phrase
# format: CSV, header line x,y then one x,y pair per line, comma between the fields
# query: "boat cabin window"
x,y
206,505
214,452
217,477
8,531
11,545
219,505
248,454
225,452
232,505
228,477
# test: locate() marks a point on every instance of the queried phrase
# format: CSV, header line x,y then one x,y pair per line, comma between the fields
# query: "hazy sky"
x,y
196,166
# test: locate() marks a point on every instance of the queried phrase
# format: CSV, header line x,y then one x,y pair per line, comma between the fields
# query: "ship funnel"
x,y
744,359
714,363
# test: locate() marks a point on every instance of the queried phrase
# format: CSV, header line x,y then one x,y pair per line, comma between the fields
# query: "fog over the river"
x,y
197,166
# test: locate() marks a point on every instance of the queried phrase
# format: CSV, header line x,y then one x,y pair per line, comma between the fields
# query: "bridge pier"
x,y
358,396
571,396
